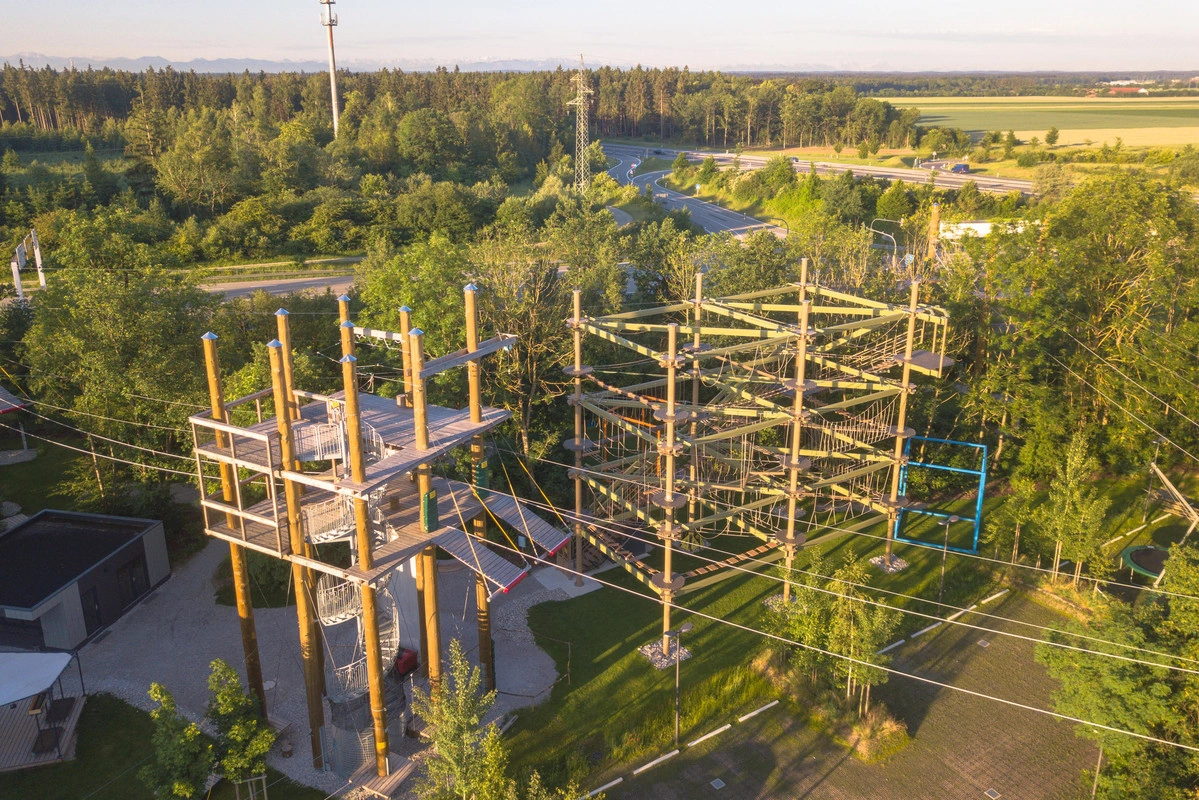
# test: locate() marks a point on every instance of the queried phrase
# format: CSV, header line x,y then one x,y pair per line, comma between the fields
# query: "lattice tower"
x,y
582,104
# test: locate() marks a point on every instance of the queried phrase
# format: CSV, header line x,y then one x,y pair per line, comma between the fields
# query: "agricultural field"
x,y
1139,121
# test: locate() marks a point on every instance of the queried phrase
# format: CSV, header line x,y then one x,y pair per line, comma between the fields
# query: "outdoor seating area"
x,y
41,700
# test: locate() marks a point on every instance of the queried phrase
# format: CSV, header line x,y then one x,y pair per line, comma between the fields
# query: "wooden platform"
x,y
19,732
366,780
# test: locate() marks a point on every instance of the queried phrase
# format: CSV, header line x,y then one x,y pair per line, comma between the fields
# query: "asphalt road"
x,y
336,283
946,179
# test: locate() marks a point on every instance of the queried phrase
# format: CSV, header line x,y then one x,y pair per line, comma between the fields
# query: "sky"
x,y
915,35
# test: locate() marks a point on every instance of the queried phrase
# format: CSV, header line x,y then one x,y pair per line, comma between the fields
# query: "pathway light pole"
x,y
952,518
894,244
677,635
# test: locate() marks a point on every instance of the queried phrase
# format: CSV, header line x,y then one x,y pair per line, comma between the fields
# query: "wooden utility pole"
x,y
577,401
478,466
427,574
301,578
237,553
792,540
900,430
667,499
366,561
694,458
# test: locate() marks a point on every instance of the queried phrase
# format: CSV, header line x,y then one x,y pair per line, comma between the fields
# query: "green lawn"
x,y
113,744
42,482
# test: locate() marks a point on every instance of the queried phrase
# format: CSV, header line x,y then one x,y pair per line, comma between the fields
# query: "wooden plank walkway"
x,y
18,730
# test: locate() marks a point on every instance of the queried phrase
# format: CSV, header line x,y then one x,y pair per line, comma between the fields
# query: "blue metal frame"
x,y
903,490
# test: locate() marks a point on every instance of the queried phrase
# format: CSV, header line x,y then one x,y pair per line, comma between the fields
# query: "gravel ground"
x,y
173,636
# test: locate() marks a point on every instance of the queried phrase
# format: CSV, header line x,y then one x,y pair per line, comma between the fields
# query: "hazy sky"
x,y
844,34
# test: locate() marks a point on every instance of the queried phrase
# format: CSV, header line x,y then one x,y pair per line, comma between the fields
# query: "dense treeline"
x,y
709,107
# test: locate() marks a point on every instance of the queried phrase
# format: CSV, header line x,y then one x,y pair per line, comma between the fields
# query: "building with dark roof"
x,y
64,576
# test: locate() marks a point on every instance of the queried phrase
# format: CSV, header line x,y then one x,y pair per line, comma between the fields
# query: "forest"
x,y
1076,323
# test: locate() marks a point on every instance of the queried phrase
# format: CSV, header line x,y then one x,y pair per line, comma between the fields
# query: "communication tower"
x,y
329,20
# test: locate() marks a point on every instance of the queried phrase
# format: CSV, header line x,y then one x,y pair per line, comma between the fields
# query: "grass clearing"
x,y
113,743
41,483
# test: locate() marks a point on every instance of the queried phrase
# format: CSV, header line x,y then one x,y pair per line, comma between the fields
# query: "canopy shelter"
x,y
9,401
40,705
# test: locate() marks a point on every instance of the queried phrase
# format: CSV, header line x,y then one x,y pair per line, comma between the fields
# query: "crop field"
x,y
1139,121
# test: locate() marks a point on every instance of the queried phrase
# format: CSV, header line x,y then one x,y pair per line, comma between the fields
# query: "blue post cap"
x,y
210,337
274,343
281,312
470,287
345,298
416,332
346,324
347,360
406,309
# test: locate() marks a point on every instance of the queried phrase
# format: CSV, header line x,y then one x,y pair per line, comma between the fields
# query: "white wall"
x,y
62,619
157,565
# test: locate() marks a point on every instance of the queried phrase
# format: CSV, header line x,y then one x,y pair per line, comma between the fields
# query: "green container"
x,y
428,512
482,478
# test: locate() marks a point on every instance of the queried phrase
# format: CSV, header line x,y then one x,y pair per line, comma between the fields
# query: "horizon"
x,y
857,36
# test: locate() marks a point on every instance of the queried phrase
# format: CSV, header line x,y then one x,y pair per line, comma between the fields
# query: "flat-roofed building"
x,y
64,576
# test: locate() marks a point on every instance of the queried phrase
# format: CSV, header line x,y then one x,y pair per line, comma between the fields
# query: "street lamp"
x,y
677,635
952,518
894,245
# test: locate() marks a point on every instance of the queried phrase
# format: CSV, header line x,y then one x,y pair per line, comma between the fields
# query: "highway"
x,y
711,217
947,179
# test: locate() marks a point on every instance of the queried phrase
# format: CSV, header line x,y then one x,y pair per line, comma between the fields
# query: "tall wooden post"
x,y
428,501
577,321
237,553
792,541
934,231
478,465
366,561
695,455
406,355
343,309
668,502
284,334
901,421
309,652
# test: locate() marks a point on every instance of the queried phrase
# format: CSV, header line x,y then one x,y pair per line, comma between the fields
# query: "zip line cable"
x,y
869,601
867,664
836,529
1145,424
101,455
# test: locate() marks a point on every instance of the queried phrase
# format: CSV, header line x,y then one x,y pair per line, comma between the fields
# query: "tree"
x,y
182,757
857,629
1051,136
466,759
1016,512
894,204
1009,143
1073,516
680,164
243,738
199,170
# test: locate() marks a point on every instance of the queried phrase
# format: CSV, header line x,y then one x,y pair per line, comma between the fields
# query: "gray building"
x,y
65,576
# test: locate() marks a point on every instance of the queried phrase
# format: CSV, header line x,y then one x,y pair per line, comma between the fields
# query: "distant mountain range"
x,y
38,60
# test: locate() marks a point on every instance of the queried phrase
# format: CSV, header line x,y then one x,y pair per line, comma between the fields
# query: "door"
x,y
91,610
132,580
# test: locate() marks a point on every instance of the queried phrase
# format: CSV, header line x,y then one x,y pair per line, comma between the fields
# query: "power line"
x,y
106,419
867,664
911,612
101,455
1164,438
149,450
836,529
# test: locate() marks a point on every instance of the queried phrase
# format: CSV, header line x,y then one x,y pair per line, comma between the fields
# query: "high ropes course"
x,y
772,414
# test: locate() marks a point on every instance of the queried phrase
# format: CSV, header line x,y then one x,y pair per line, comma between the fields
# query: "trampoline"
x,y
1147,560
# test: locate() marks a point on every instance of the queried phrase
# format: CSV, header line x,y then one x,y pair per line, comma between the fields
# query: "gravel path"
x,y
173,636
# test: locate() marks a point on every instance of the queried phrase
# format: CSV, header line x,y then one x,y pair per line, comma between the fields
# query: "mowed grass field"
x,y
1139,121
